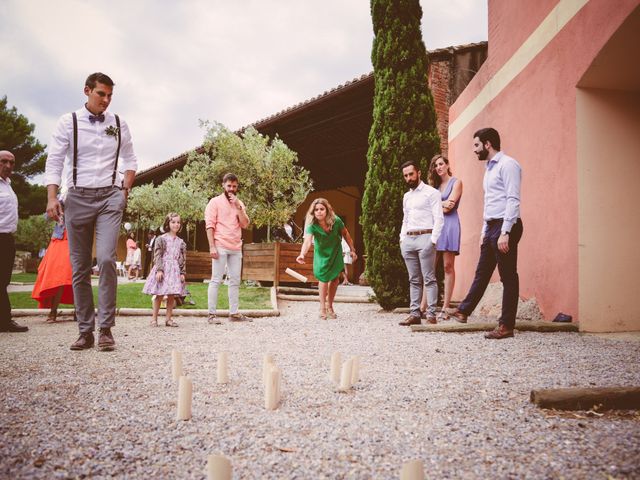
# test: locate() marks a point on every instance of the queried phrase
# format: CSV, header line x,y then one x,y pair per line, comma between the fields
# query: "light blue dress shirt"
x,y
502,179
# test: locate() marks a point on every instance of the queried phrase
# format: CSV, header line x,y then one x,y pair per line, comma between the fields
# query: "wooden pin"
x,y
412,470
222,370
345,376
272,389
176,365
336,360
218,467
267,363
355,370
185,391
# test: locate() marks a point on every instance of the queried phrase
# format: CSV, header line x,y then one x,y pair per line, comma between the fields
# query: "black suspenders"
x,y
75,150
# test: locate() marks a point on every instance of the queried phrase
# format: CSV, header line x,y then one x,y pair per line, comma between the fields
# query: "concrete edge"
x,y
129,312
314,298
524,326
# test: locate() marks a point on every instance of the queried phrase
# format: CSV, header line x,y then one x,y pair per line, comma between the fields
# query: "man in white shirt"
x,y
93,146
8,226
421,226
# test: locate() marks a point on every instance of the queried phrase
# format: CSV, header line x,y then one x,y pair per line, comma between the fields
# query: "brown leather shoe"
x,y
238,317
459,317
499,333
410,320
431,320
84,342
106,343
12,326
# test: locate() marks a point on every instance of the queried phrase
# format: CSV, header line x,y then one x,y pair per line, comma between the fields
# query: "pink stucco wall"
x,y
536,117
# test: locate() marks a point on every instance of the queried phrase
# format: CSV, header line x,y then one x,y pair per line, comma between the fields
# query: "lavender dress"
x,y
169,256
449,240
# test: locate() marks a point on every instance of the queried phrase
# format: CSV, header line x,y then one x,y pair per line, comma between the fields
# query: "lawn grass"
x,y
130,296
24,277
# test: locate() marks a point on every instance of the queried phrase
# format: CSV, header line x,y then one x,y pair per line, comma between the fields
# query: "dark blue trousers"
x,y
507,263
7,255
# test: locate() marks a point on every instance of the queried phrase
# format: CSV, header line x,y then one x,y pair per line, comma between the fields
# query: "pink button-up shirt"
x,y
223,218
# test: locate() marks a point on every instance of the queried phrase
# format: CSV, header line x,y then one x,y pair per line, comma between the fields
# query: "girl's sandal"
x,y
331,314
153,323
323,315
51,318
171,323
443,316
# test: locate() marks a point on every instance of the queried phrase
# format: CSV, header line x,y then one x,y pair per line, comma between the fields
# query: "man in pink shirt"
x,y
225,217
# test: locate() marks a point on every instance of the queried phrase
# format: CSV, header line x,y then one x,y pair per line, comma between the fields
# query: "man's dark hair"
x,y
410,163
490,135
229,177
98,77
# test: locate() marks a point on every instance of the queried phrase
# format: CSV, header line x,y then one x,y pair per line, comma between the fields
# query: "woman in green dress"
x,y
327,230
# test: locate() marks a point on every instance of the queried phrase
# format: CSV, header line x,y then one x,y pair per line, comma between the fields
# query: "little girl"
x,y
167,277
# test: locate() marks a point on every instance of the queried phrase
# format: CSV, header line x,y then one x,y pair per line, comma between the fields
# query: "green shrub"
x,y
404,128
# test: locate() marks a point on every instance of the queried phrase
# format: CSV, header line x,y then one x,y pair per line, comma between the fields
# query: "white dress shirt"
x,y
422,208
501,183
8,207
96,152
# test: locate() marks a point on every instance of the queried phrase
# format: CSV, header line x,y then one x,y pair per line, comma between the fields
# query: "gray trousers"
x,y
88,211
232,259
419,255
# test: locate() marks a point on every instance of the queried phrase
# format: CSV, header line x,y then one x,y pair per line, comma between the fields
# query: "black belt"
x,y
419,232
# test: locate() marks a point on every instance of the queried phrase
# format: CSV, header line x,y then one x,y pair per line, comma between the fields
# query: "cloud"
x,y
177,62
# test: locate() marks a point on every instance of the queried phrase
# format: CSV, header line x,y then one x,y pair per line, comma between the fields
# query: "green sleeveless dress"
x,y
327,251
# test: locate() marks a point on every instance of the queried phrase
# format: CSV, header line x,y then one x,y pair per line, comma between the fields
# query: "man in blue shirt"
x,y
501,232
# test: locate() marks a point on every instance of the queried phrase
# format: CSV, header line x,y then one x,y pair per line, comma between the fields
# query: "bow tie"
x,y
96,118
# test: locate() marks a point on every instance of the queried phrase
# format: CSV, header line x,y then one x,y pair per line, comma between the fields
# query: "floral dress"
x,y
169,256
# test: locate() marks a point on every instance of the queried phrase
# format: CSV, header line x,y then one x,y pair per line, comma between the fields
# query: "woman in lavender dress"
x,y
448,245
167,277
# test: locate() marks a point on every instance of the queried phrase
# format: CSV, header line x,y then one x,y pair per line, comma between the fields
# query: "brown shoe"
x,y
499,333
106,343
410,320
460,317
238,317
431,320
84,342
213,320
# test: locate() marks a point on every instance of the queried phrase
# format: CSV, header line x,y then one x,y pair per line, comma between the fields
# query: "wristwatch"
x,y
505,233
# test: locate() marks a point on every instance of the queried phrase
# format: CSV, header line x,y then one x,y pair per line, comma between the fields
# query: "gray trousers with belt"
x,y
90,211
419,255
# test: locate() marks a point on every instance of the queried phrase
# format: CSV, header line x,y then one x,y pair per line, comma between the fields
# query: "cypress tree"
x,y
404,128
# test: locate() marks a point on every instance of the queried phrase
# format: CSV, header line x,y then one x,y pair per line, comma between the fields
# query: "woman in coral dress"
x,y
53,285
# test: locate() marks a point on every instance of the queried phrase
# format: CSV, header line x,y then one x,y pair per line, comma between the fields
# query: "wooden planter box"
x,y
267,262
198,266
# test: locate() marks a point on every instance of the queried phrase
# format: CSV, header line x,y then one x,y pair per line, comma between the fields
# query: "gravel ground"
x,y
458,402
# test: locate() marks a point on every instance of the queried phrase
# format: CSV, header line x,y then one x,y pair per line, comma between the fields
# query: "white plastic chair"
x,y
120,269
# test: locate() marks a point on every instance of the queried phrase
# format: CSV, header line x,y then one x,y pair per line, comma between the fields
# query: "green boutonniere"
x,y
112,131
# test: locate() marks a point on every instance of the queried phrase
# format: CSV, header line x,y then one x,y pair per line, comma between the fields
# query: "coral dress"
x,y
327,251
54,272
169,254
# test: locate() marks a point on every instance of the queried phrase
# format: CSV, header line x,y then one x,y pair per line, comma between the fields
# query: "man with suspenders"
x,y
95,146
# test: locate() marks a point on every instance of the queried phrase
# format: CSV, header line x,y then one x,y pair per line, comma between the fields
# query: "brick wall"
x,y
440,85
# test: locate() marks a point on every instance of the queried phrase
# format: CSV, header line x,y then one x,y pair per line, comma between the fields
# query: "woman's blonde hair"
x,y
331,216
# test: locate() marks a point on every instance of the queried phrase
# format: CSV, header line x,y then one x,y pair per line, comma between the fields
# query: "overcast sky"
x,y
175,62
